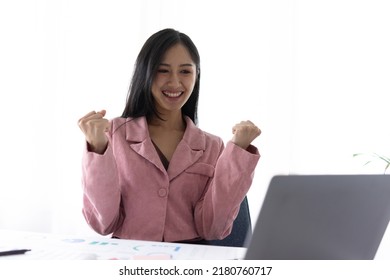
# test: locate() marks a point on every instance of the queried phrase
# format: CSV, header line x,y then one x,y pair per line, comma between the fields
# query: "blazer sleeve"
x,y
101,191
217,210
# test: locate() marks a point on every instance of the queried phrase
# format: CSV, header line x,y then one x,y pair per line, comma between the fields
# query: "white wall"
x,y
314,75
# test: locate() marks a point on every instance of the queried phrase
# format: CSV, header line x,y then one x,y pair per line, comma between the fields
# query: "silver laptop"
x,y
322,217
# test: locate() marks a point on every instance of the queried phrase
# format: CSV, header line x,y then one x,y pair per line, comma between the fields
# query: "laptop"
x,y
322,217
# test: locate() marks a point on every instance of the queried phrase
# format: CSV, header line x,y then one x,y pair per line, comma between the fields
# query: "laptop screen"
x,y
322,217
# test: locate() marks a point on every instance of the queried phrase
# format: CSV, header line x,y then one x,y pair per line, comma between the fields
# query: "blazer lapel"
x,y
137,134
189,150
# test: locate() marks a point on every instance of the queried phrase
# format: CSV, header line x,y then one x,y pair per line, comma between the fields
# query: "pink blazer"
x,y
128,192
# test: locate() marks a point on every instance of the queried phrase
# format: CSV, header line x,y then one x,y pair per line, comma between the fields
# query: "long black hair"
x,y
140,101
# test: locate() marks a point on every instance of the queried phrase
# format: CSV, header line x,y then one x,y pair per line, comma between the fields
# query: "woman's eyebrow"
x,y
181,65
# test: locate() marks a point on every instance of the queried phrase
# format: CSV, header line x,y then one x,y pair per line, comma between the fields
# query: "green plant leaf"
x,y
387,166
376,156
367,162
383,158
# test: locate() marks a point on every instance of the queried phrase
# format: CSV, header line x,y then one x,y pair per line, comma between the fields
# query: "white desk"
x,y
64,247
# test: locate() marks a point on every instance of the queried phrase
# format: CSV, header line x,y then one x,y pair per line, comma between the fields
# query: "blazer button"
x,y
162,192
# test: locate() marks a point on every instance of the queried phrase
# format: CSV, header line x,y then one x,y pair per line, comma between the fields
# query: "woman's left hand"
x,y
244,133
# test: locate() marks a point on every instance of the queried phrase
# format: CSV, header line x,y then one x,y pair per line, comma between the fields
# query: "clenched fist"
x,y
94,126
244,133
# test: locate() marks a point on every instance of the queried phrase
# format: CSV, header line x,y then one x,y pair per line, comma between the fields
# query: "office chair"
x,y
241,231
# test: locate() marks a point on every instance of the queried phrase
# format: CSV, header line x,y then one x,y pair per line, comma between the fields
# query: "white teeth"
x,y
172,94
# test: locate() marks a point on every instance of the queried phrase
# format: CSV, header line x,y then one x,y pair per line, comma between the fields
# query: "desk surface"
x,y
64,247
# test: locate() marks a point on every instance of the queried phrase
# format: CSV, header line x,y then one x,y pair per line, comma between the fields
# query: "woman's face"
x,y
174,80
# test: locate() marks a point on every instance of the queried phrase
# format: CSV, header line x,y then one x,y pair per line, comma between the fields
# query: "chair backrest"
x,y
241,231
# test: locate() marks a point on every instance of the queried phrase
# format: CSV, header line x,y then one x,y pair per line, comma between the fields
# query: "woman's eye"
x,y
162,71
186,71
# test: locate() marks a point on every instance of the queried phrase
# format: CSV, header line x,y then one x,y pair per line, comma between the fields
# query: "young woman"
x,y
152,174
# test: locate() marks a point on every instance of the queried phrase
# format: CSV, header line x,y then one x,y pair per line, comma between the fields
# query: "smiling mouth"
x,y
172,94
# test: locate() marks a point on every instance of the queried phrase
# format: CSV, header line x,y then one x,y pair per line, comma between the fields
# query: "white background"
x,y
313,75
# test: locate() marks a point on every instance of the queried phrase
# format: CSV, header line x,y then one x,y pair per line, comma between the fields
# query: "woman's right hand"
x,y
94,126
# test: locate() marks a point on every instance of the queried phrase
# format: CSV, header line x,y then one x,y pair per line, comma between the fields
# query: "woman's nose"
x,y
174,80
